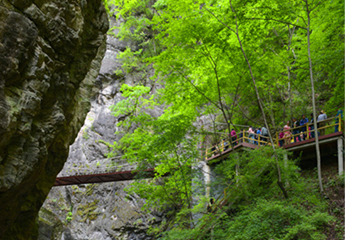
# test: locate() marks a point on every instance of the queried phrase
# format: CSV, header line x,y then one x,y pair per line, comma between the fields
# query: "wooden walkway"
x,y
306,145
311,142
332,137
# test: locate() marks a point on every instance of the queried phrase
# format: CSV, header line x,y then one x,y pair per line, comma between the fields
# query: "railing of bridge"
x,y
307,131
325,127
239,138
291,135
95,169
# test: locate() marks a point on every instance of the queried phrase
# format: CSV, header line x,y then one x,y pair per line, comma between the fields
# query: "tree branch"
x,y
228,27
276,20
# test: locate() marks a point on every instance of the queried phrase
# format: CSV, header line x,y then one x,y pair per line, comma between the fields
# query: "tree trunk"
x,y
280,184
289,90
318,156
271,111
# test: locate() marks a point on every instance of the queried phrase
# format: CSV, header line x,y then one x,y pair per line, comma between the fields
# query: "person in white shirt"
x,y
322,123
251,134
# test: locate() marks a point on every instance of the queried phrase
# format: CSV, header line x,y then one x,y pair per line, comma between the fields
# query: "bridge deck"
x,y
311,142
100,178
290,147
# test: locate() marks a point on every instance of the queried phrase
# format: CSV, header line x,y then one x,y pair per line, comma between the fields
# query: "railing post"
x,y
258,139
340,120
307,130
222,146
206,156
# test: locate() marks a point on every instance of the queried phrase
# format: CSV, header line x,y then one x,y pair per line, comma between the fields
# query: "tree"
x,y
215,58
318,156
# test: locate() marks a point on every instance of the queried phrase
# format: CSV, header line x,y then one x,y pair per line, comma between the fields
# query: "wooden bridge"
x,y
102,177
331,138
330,142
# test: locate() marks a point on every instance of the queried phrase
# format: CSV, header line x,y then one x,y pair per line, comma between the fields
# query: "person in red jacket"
x,y
233,137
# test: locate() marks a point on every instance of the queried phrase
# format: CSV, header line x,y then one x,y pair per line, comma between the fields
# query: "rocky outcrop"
x,y
50,226
50,54
102,211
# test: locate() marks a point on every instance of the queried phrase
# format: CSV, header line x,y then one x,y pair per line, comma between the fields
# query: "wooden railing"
x,y
307,131
239,138
324,127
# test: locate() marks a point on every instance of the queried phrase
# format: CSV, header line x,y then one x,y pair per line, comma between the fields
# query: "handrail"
x,y
261,140
326,120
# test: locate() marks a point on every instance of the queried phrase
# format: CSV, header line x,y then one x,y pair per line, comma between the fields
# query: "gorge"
x,y
91,86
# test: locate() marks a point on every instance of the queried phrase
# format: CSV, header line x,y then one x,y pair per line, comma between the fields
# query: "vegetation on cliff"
x,y
238,63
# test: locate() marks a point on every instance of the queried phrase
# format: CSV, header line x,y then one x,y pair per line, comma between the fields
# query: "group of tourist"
x,y
296,129
299,128
260,134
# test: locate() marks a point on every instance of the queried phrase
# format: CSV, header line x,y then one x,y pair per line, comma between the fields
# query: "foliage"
x,y
132,107
278,220
85,134
198,53
194,50
255,207
69,217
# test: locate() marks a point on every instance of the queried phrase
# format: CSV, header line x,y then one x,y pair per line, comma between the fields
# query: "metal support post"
x,y
340,156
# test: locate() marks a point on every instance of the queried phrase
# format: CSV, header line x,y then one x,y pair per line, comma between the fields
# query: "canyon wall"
x,y
50,54
100,211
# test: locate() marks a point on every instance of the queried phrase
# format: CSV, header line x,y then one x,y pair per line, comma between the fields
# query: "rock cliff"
x,y
50,54
101,211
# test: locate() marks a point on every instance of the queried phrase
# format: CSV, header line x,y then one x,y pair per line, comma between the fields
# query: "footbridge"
x,y
296,140
103,177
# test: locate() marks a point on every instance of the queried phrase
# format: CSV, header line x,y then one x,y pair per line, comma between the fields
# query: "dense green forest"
x,y
229,63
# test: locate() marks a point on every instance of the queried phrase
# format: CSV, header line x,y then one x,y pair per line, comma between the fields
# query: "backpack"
x,y
264,131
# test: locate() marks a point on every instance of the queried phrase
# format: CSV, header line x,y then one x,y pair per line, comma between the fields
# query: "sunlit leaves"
x,y
198,64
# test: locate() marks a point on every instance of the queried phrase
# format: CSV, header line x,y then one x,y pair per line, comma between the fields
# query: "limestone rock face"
x,y
102,211
50,54
50,227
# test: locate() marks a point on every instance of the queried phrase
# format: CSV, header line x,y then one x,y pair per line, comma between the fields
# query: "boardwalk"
x,y
329,140
245,139
222,150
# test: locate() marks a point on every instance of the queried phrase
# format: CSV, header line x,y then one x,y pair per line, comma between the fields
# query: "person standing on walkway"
x,y
251,134
321,118
240,140
233,137
295,132
338,118
264,133
258,132
281,135
226,143
303,123
287,135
